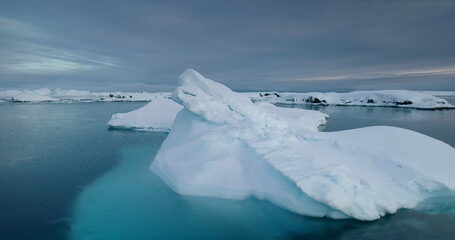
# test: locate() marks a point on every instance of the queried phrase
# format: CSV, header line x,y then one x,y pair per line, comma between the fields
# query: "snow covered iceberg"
x,y
223,145
159,114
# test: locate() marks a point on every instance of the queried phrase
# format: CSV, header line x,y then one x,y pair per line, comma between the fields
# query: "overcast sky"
x,y
247,45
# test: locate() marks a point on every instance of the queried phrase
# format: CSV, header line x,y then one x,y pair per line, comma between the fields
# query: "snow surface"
x,y
158,115
223,145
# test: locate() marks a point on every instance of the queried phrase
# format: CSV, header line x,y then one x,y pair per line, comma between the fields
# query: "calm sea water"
x,y
65,175
48,154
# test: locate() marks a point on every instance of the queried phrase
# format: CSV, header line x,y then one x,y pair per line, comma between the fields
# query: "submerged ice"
x,y
223,145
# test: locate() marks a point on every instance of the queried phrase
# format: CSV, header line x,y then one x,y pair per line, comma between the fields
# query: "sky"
x,y
249,45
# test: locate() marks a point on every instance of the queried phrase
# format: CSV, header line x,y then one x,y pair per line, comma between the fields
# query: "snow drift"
x,y
223,145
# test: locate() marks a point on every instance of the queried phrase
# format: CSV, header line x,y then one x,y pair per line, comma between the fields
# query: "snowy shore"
x,y
59,95
385,98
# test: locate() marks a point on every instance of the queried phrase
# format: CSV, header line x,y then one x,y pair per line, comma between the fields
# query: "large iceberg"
x,y
223,145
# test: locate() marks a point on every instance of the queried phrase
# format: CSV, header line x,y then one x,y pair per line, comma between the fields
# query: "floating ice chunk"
x,y
158,115
223,145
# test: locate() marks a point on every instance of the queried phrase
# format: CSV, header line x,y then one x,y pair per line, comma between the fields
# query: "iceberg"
x,y
384,98
158,115
223,145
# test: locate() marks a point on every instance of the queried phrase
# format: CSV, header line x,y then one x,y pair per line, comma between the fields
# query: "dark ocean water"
x,y
48,154
64,174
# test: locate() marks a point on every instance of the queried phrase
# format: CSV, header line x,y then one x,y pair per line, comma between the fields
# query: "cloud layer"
x,y
248,45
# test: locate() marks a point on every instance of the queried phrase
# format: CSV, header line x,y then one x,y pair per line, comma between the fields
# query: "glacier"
x,y
223,145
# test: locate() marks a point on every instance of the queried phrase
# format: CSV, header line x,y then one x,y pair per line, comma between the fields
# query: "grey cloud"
x,y
23,52
286,45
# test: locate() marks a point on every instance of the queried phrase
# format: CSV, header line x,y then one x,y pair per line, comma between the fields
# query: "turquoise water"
x,y
63,174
